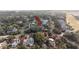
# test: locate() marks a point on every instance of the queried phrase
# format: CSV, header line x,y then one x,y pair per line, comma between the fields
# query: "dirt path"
x,y
1,37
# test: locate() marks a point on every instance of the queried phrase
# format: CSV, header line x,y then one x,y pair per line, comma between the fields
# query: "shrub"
x,y
40,36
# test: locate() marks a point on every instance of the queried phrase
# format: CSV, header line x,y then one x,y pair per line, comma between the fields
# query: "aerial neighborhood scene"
x,y
39,29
